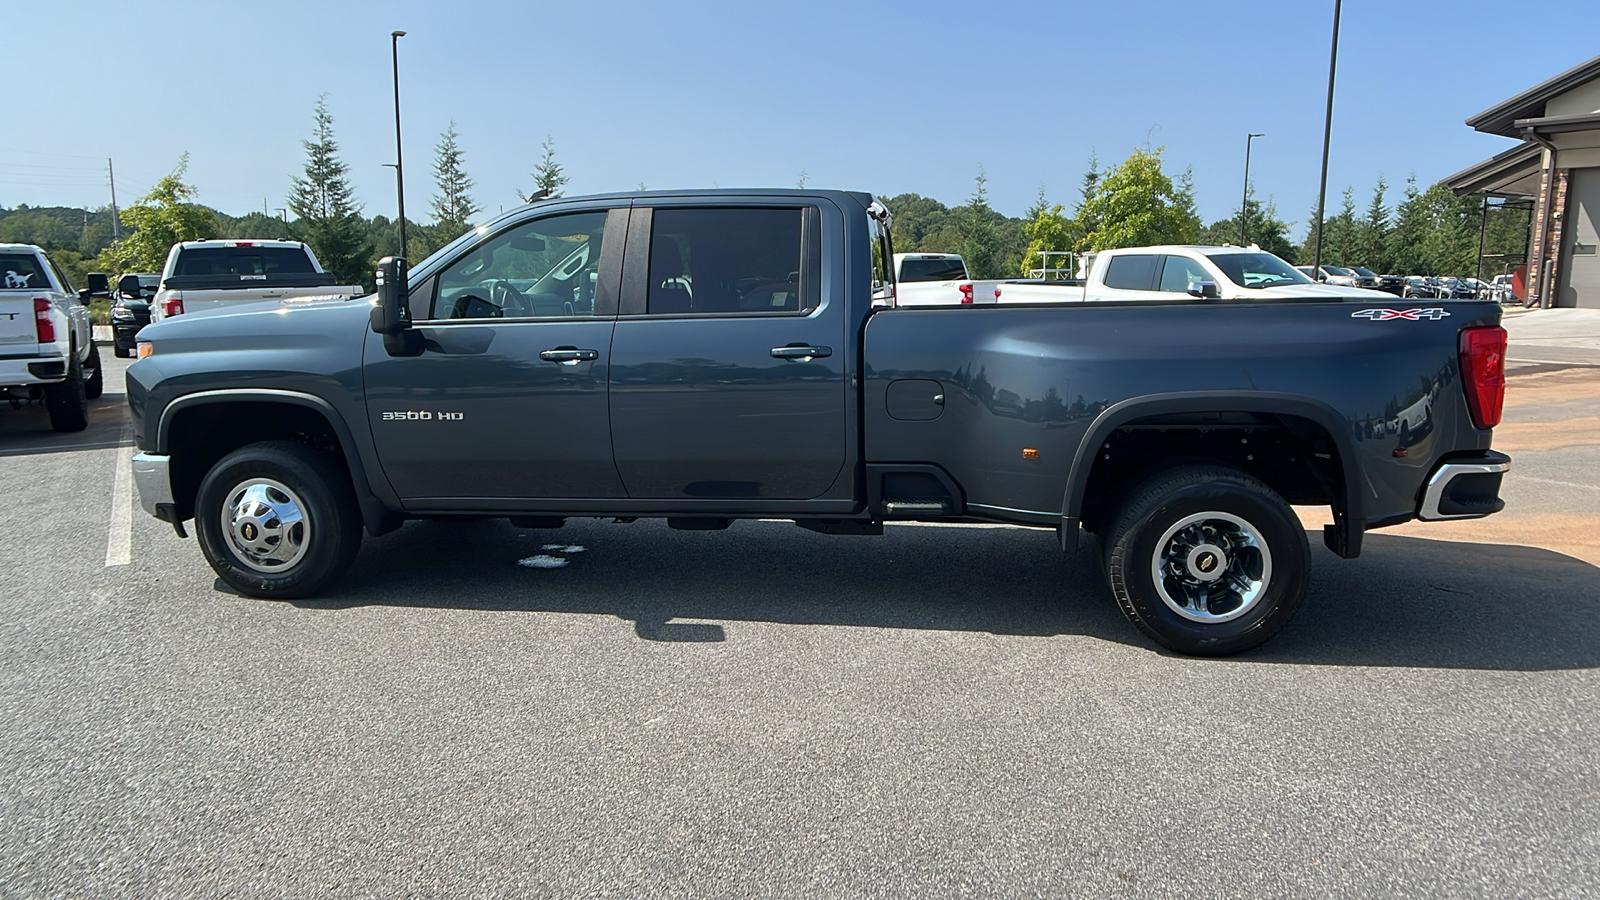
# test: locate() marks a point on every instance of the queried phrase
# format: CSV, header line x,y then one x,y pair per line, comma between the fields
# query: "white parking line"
x,y
119,535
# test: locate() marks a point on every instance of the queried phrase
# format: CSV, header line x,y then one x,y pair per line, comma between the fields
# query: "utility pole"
x,y
116,226
1327,137
1244,205
399,172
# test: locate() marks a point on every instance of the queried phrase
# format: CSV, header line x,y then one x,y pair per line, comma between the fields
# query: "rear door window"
x,y
22,271
1132,272
733,261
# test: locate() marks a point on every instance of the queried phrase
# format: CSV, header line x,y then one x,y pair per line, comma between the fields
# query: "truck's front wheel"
x,y
1207,560
278,520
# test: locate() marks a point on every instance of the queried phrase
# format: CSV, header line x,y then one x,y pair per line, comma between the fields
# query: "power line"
x,y
47,153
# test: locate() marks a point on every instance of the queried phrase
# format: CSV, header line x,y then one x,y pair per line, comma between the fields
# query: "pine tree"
x,y
323,201
1403,245
548,176
453,208
980,240
1090,189
1373,231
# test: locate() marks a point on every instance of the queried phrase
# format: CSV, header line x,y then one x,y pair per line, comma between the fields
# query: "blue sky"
x,y
866,95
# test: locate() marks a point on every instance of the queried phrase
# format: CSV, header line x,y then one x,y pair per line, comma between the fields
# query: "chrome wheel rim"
x,y
1211,567
266,525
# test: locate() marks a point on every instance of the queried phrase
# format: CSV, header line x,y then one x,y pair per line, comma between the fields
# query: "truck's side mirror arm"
x,y
391,314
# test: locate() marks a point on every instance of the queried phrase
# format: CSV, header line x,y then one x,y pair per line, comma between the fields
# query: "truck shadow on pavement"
x,y
1405,602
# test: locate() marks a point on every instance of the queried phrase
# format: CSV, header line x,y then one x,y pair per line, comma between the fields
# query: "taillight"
x,y
966,293
1483,373
45,328
174,307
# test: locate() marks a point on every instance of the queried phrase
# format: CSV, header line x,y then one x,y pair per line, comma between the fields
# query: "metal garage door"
x,y
1580,250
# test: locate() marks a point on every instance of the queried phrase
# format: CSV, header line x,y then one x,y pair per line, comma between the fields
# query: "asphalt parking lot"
x,y
626,710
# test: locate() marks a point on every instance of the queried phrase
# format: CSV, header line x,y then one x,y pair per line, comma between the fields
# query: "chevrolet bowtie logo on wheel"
x,y
1207,562
1410,315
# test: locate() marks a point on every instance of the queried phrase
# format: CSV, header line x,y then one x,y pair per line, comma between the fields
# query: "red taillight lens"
x,y
966,293
45,328
1483,373
174,307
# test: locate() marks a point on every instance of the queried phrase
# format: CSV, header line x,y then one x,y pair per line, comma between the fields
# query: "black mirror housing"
x,y
391,314
99,284
1205,290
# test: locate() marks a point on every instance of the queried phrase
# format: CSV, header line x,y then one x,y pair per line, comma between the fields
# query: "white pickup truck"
x,y
931,279
47,349
213,274
1172,273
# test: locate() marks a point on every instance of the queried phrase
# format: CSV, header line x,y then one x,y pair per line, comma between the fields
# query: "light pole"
x,y
1244,205
399,171
1327,135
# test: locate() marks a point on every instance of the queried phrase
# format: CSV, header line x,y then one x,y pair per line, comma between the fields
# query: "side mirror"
x,y
84,296
1205,290
391,314
99,285
127,285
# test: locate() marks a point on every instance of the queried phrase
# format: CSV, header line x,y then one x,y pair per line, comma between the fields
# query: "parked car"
x,y
1420,287
130,310
1180,432
1392,284
1458,289
1503,289
931,279
1365,278
1172,273
47,349
215,274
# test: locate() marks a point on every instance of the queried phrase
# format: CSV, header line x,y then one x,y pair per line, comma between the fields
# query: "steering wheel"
x,y
508,298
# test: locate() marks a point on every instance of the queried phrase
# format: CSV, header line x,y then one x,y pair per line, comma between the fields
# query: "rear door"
x,y
508,400
728,362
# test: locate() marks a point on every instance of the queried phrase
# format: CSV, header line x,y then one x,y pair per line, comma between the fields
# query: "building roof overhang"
x,y
1502,118
1514,173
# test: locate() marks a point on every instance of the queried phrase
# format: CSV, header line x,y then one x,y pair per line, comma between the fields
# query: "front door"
x,y
728,368
508,400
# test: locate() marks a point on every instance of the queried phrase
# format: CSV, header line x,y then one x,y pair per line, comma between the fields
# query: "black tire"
x,y
331,518
67,402
95,384
121,352
1165,501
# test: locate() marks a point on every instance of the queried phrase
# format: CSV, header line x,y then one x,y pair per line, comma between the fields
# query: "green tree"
x,y
548,175
453,208
923,224
1137,205
1372,231
1403,244
1338,235
1087,192
980,239
165,216
1267,231
324,204
1450,246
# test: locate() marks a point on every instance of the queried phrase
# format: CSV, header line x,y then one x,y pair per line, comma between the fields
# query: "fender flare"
x,y
1343,537
377,517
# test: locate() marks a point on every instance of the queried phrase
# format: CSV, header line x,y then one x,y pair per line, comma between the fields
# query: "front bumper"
x,y
152,475
1466,487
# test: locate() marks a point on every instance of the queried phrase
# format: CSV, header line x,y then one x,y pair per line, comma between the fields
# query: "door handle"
x,y
569,356
801,351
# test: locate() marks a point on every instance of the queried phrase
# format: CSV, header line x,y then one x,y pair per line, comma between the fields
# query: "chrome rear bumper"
x,y
1465,488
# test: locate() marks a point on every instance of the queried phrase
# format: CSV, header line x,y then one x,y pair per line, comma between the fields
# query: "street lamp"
x,y
399,171
1244,205
1327,135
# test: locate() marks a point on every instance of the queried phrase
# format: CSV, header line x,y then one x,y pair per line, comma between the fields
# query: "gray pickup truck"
x,y
706,356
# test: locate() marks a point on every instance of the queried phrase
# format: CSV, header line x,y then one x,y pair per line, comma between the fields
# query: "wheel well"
x,y
204,434
1294,456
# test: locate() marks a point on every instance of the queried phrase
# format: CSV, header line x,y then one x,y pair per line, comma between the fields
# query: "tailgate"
x,y
17,323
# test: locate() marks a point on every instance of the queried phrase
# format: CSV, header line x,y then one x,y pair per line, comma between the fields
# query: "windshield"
x,y
1335,270
1257,270
932,270
1365,273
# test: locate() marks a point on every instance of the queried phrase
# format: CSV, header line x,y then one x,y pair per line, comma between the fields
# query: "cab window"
x,y
1132,272
546,268
1179,271
733,261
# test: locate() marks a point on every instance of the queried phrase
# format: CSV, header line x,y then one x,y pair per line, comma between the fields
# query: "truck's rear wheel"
x,y
68,401
277,519
1207,560
95,377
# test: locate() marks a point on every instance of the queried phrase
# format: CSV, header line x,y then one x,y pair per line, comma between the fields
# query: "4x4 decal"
x,y
1410,315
